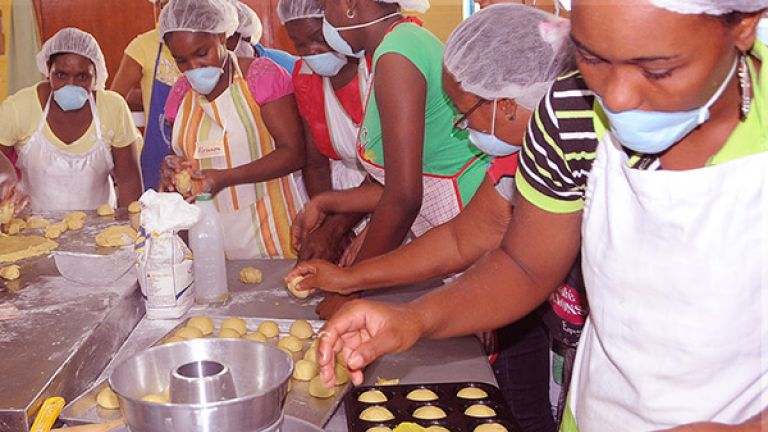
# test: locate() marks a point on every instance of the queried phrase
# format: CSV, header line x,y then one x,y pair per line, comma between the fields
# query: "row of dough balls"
x,y
106,210
428,412
422,395
485,427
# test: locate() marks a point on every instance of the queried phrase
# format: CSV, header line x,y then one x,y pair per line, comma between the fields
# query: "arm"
x,y
127,175
317,170
128,76
362,199
402,123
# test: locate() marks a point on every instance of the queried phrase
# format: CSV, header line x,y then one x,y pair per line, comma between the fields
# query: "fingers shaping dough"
x,y
250,275
291,285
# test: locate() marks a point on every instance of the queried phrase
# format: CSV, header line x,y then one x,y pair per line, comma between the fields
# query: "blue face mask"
x,y
489,143
334,39
70,97
204,79
326,64
652,132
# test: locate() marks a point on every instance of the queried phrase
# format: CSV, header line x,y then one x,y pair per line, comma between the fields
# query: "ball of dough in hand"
x,y
155,398
183,182
290,343
318,389
304,370
228,333
250,275
55,230
256,337
490,427
291,285
376,414
189,333
480,411
472,393
422,395
269,329
107,399
203,323
372,396
105,210
11,272
429,412
234,323
302,329
134,207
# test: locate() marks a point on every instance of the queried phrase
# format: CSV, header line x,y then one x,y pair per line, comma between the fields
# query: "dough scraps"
x,y
12,272
116,236
55,230
37,222
15,226
75,220
19,247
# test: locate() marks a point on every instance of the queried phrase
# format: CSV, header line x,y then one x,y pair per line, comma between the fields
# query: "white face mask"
x,y
326,64
489,143
334,39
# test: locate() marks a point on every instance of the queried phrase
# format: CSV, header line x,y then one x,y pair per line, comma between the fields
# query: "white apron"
x,y
56,179
347,172
676,269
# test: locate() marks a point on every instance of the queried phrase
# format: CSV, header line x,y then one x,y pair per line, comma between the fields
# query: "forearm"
x,y
362,199
317,179
279,163
129,190
389,226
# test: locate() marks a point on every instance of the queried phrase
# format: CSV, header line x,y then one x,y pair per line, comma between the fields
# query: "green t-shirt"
x,y
446,151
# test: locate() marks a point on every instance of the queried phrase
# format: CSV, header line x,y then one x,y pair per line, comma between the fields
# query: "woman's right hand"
x,y
323,275
171,166
307,221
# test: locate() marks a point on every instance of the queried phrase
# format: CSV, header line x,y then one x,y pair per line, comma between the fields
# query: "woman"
x,y
496,112
72,137
147,63
664,209
245,41
235,129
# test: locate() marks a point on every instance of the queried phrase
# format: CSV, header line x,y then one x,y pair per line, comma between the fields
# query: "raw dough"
x,y
472,393
107,399
372,396
422,395
490,427
302,329
19,247
437,429
304,370
342,361
156,398
376,414
319,390
311,355
387,382
229,333
269,329
183,182
12,272
257,337
6,212
480,411
173,339
189,333
291,285
55,230
15,226
342,375
379,429
250,275
105,210
37,222
116,236
134,207
203,323
235,324
429,412
291,343
75,220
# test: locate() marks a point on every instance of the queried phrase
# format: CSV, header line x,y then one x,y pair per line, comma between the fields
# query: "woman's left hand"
x,y
207,181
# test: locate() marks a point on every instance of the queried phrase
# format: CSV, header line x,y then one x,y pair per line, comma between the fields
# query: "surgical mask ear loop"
x,y
493,121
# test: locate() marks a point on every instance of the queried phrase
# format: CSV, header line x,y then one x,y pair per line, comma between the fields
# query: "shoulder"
x,y
25,96
267,81
111,105
413,42
141,47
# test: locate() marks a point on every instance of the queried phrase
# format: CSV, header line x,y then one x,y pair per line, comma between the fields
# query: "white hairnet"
x,y
711,7
290,10
509,51
205,16
249,24
410,5
74,41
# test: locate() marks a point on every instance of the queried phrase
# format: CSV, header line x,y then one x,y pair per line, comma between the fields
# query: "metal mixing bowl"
x,y
260,373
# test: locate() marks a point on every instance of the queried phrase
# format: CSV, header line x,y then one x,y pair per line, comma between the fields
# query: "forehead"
x,y
71,62
304,27
183,42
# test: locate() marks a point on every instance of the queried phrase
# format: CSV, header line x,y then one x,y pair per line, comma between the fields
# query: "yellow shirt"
x,y
143,50
21,113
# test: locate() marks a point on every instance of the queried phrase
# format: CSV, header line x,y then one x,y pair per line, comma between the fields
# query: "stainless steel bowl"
x,y
201,382
260,373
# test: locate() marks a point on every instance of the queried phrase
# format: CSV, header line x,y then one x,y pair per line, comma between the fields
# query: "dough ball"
x,y
183,183
173,339
116,236
134,207
372,396
256,336
379,429
75,220
189,333
490,427
422,395
167,393
55,230
37,222
229,333
234,323
269,329
302,329
107,399
387,382
156,398
203,323
480,411
376,414
105,210
311,355
6,212
342,361
429,412
15,226
472,393
304,370
11,272
318,389
342,375
290,343
291,285
251,275
437,429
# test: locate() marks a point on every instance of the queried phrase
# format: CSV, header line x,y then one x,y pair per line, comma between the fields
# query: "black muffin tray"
x,y
402,408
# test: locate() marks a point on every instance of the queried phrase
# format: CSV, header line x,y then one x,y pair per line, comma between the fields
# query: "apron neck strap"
x,y
91,104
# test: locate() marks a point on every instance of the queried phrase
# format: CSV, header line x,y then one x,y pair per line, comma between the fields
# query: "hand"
x,y
364,331
331,304
171,166
319,274
306,222
210,181
325,243
353,250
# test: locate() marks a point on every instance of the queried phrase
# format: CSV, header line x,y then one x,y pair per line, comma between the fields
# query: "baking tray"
x,y
299,403
402,408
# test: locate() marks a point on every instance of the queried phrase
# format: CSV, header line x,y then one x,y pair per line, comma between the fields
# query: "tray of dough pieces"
x,y
299,402
454,407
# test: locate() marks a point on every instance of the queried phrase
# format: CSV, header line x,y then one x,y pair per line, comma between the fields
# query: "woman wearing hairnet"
x,y
245,41
235,129
432,171
651,162
72,136
496,108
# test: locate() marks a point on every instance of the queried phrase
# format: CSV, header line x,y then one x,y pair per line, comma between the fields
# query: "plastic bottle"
x,y
206,239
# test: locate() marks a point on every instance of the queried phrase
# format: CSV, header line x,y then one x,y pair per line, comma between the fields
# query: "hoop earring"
x,y
745,86
350,13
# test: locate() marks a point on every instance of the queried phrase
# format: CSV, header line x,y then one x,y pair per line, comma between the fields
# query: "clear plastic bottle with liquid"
x,y
206,239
